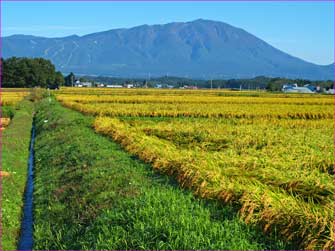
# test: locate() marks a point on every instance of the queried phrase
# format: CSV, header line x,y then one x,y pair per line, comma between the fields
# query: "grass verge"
x,y
90,194
15,151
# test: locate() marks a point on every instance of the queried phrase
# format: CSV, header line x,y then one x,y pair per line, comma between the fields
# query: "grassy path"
x,y
90,194
15,150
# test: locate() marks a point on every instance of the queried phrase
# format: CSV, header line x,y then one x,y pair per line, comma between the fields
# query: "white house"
x,y
82,84
129,85
330,91
86,84
114,86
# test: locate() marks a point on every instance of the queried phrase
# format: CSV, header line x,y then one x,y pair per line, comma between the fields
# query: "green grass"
x,y
15,152
90,194
7,111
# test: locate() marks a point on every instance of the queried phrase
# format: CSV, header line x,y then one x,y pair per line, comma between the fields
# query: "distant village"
x,y
287,88
78,83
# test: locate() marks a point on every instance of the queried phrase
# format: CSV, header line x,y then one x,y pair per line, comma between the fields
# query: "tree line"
x,y
260,82
29,72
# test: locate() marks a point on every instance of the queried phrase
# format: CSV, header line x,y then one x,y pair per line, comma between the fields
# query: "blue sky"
x,y
302,29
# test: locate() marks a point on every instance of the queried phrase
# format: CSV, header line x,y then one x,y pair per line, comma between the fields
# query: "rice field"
x,y
270,155
11,96
90,194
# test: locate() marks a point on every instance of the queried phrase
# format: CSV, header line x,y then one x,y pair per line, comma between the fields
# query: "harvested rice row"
x,y
205,111
193,99
308,223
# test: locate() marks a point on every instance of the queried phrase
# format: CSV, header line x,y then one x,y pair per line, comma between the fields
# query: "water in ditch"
x,y
26,236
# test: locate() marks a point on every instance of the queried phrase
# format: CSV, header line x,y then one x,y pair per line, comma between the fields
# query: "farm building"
x,y
82,84
294,88
129,86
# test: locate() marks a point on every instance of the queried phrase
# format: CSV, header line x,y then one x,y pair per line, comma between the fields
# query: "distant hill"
x,y
197,49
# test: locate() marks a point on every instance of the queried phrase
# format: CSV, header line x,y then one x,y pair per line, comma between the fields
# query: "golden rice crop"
x,y
4,122
273,197
193,99
211,110
268,195
12,97
270,154
182,92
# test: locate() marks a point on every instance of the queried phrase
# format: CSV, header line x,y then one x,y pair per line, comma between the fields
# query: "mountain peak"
x,y
201,20
208,22
72,36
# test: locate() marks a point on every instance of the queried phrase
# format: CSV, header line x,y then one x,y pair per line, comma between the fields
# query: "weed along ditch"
x,y
16,141
26,236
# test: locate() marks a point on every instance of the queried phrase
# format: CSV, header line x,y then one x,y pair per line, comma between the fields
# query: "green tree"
x,y
59,80
69,79
81,79
27,72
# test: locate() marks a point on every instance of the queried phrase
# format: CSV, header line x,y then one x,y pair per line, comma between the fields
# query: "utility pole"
x,y
211,84
146,82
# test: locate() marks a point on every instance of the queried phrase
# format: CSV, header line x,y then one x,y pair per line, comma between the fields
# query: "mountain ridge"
x,y
199,48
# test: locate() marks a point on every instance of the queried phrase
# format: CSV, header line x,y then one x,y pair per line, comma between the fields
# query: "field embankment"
x,y
90,194
15,151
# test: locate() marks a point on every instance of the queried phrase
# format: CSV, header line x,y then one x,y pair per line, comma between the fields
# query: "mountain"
x,y
197,49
